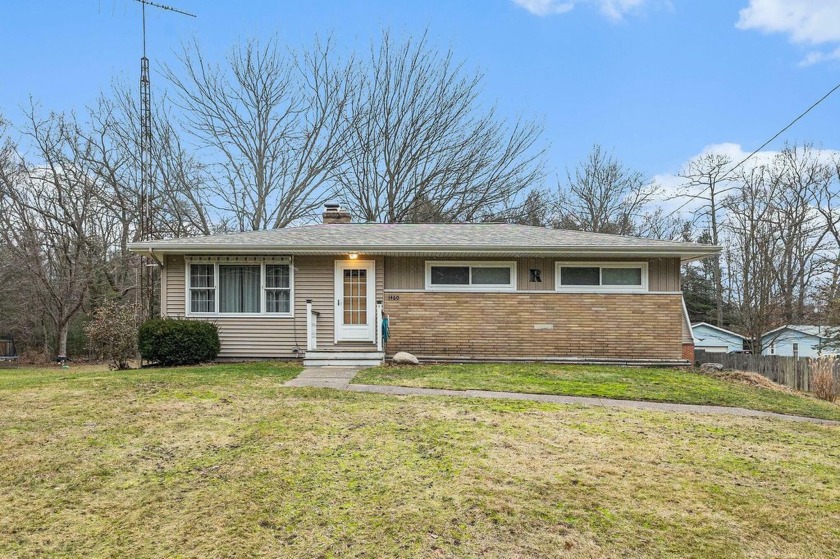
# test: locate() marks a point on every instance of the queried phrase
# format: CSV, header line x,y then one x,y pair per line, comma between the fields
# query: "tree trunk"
x,y
62,339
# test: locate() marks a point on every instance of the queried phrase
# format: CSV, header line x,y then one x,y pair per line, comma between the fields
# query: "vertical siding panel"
x,y
549,273
403,272
653,274
523,266
664,274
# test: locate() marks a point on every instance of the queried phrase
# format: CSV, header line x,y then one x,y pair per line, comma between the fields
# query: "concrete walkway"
x,y
325,377
340,377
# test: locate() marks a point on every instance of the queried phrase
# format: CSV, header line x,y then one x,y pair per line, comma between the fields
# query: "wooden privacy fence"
x,y
792,372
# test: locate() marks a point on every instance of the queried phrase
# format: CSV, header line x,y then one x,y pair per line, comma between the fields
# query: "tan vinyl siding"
x,y
523,271
274,337
409,272
404,272
175,286
664,274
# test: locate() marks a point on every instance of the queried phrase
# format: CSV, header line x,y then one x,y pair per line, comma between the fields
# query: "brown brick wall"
x,y
631,326
688,352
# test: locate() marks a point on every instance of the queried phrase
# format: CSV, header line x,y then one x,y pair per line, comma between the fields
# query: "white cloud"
x,y
614,10
545,7
805,22
673,186
815,57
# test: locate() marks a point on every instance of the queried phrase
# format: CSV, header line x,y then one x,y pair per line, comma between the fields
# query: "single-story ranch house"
x,y
799,340
478,291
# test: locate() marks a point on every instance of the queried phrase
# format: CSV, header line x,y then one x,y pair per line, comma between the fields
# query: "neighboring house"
x,y
714,339
797,340
450,291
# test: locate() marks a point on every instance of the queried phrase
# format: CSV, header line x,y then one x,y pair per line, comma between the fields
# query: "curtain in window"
x,y
239,289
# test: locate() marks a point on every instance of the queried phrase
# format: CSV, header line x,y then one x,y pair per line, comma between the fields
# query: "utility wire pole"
x,y
146,290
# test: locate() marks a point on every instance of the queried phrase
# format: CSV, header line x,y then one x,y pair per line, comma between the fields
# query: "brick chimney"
x,y
334,214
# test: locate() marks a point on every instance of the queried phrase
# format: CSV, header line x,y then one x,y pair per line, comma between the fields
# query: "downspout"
x,y
155,258
688,321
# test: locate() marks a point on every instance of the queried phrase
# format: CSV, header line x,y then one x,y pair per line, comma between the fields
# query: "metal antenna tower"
x,y
146,202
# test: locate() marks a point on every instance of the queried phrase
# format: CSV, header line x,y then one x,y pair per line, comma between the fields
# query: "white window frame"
x,y
216,288
188,296
558,286
511,264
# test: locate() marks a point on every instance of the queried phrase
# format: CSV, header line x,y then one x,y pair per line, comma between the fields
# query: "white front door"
x,y
355,292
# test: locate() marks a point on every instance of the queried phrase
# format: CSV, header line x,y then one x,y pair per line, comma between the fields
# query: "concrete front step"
x,y
343,358
341,362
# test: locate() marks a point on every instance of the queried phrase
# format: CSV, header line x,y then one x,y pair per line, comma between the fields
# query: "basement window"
x,y
470,276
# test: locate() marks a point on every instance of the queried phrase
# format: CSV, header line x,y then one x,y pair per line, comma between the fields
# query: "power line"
x,y
747,158
785,129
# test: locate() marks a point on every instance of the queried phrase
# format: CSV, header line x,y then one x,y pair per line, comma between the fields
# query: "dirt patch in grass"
x,y
750,379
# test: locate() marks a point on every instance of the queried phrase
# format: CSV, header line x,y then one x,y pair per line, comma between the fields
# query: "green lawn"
x,y
624,383
221,461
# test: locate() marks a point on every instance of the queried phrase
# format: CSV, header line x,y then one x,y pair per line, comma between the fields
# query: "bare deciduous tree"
x,y
272,123
601,195
707,181
52,220
753,249
800,178
422,147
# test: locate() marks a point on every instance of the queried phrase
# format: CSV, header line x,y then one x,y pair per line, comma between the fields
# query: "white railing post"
x,y
379,326
310,345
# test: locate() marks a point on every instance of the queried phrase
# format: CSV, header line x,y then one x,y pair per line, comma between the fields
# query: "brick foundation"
x,y
539,325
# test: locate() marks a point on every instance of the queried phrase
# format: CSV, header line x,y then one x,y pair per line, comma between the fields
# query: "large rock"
x,y
404,358
709,367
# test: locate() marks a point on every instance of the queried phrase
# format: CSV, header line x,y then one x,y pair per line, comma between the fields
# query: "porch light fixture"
x,y
353,256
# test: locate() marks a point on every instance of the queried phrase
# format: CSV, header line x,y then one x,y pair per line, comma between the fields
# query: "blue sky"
x,y
656,81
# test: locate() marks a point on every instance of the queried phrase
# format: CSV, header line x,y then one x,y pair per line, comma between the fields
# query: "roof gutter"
x,y
191,248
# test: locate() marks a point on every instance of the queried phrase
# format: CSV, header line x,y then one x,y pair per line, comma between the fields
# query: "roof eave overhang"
x,y
167,247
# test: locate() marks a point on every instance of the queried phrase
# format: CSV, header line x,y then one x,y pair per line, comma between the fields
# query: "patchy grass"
x,y
623,383
221,461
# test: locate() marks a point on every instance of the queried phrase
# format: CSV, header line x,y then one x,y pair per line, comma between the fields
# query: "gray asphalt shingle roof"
x,y
807,329
373,237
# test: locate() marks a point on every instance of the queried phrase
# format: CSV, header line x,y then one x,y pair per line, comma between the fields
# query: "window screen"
x,y
621,276
202,288
490,276
573,275
278,288
450,275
